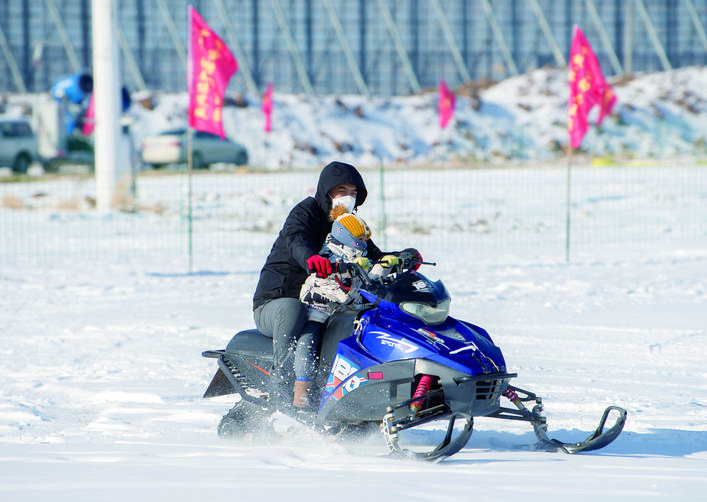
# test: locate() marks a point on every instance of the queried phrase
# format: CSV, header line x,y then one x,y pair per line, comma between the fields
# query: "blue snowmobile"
x,y
398,362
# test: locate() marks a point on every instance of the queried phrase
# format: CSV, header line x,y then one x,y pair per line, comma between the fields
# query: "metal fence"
x,y
376,47
497,215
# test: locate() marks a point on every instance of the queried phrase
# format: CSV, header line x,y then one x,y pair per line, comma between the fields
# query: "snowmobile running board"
x,y
598,439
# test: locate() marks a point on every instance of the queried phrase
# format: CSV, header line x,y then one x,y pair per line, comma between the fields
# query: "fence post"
x,y
383,221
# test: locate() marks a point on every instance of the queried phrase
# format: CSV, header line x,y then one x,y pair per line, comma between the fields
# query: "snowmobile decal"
x,y
470,346
397,343
452,334
258,367
431,337
420,286
341,371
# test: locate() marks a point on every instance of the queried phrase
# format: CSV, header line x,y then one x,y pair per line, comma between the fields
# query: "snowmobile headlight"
x,y
427,313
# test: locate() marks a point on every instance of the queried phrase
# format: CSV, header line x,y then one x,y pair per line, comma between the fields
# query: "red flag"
x,y
587,88
209,68
446,104
267,107
89,122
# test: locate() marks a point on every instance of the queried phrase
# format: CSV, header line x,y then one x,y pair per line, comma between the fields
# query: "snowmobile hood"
x,y
455,344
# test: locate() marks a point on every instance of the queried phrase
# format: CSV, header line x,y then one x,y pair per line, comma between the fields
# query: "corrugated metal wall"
x,y
379,47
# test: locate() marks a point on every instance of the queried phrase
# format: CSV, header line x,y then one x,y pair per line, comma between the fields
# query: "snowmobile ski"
x,y
598,439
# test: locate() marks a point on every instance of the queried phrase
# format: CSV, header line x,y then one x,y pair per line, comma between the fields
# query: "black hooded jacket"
x,y
303,235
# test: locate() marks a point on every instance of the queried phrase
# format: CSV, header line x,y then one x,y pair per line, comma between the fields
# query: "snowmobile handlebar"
x,y
407,265
408,260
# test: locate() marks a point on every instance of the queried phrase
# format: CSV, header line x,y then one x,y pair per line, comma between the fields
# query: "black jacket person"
x,y
277,310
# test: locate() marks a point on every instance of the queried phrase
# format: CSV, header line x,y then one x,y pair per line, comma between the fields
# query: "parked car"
x,y
18,144
79,153
170,147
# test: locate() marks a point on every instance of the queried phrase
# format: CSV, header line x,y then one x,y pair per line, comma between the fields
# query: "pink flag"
x,y
210,66
267,107
587,88
446,104
89,122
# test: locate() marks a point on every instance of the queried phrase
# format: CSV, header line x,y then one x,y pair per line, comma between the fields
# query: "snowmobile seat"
x,y
250,342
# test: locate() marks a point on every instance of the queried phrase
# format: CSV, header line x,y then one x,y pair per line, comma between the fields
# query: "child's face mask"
x,y
348,201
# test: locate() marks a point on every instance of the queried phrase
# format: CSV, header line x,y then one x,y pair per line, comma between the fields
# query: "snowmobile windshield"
x,y
416,295
429,314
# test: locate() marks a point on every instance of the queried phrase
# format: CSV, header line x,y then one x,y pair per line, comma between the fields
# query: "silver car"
x,y
18,144
170,147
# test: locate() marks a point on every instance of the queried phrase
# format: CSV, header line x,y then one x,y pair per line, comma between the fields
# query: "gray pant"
x,y
282,320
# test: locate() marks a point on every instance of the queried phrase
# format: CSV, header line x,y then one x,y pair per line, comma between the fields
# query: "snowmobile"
x,y
398,362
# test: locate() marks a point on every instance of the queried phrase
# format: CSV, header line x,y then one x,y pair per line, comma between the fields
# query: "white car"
x,y
170,147
18,144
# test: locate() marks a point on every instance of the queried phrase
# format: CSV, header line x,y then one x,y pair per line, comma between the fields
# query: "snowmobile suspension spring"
x,y
511,394
422,388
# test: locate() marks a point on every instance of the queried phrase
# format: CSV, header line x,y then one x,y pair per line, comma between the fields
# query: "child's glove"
x,y
320,265
363,262
389,261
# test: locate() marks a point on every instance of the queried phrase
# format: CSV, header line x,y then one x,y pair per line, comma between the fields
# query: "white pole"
x,y
190,162
107,99
569,205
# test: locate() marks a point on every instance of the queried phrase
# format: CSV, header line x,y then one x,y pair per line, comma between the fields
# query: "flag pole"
x,y
209,68
588,88
569,203
190,152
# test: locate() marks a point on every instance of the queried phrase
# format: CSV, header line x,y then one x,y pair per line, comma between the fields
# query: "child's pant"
x,y
306,351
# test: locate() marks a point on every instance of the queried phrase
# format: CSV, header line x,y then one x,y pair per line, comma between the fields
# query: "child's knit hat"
x,y
345,222
351,222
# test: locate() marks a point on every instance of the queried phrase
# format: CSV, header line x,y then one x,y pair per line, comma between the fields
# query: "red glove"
x,y
416,258
320,265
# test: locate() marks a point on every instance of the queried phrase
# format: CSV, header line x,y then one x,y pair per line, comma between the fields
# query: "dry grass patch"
x,y
11,201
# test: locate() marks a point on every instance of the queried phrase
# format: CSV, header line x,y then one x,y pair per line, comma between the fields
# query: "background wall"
x,y
376,47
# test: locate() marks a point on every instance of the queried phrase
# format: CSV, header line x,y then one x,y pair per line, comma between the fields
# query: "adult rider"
x,y
277,310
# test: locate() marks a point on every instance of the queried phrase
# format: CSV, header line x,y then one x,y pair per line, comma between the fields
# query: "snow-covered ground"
x,y
102,376
521,119
102,325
